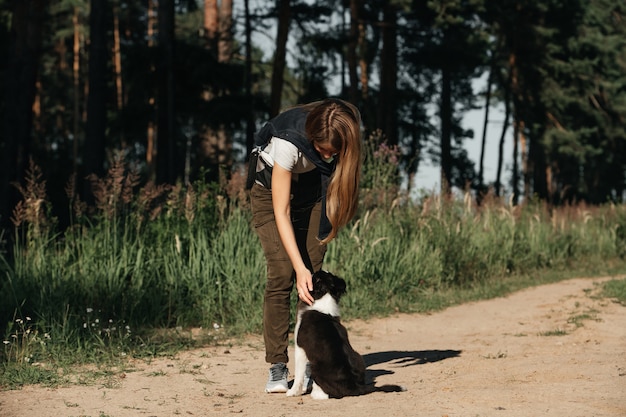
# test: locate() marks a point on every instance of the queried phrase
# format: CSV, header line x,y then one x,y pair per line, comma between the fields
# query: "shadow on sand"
x,y
403,358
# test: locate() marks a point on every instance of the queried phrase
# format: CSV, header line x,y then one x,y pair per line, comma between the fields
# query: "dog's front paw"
x,y
295,391
318,393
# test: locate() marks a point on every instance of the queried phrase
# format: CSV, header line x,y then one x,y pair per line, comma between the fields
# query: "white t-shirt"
x,y
286,154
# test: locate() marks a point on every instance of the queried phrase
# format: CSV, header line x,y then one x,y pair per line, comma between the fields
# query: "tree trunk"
x,y
507,86
117,67
210,23
225,46
284,17
22,64
415,149
537,168
517,125
388,76
166,171
225,56
76,79
363,63
516,133
117,57
483,141
215,143
523,144
351,53
94,146
445,112
250,127
151,129
505,125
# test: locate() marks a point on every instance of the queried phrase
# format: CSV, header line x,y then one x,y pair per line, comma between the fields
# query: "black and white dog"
x,y
337,370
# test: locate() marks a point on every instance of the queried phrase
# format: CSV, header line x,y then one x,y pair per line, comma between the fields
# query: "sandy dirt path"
x,y
553,350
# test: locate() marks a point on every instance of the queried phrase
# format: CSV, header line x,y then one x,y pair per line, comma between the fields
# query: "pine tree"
x,y
445,49
585,106
20,76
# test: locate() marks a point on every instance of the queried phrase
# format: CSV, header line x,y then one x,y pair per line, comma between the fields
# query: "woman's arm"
x,y
281,192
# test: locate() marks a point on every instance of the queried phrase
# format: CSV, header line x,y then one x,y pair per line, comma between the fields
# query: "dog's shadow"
x,y
403,358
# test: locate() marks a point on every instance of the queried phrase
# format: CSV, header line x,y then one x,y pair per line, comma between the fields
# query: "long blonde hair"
x,y
338,123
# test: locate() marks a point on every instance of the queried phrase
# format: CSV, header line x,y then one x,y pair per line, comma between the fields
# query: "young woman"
x,y
305,189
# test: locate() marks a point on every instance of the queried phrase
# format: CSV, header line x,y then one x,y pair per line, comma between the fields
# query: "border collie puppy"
x,y
337,370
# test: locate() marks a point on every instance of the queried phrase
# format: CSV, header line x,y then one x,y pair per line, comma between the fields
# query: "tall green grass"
x,y
140,266
401,258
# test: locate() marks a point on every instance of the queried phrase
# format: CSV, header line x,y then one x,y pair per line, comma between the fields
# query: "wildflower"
x,y
216,326
28,318
84,325
89,310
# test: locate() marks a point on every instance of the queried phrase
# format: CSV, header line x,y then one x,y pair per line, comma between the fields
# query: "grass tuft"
x,y
615,289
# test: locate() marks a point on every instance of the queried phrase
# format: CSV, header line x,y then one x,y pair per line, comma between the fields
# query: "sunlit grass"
x,y
154,270
615,289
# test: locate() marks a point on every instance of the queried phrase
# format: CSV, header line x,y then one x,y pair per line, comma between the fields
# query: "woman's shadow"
x,y
403,358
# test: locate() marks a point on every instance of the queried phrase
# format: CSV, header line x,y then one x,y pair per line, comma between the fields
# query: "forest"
x,y
178,87
126,126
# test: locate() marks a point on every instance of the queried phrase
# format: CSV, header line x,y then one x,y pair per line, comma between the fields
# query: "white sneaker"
x,y
277,381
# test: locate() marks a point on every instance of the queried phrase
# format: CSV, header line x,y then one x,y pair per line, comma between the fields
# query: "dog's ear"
x,y
326,282
320,286
318,278
340,285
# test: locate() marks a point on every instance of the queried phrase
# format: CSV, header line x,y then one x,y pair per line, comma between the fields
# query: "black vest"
x,y
289,125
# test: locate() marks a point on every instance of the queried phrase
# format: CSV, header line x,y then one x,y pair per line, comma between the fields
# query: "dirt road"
x,y
554,350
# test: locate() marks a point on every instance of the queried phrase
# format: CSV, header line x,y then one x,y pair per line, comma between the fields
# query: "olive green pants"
x,y
280,272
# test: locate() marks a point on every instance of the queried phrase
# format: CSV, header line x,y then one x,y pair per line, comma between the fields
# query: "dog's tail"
x,y
368,389
363,389
390,388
